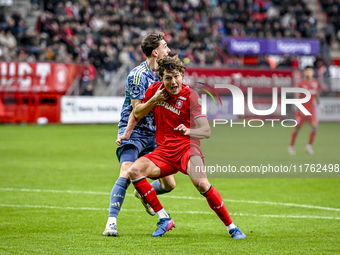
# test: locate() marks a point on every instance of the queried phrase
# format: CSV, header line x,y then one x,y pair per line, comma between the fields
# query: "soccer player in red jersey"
x,y
313,86
178,144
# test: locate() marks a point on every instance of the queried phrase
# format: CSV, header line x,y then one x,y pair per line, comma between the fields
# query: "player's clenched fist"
x,y
183,129
123,137
161,94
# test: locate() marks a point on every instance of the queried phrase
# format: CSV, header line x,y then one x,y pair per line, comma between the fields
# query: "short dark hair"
x,y
170,64
151,42
307,67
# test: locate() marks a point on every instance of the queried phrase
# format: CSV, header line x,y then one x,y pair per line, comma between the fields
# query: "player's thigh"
x,y
168,182
300,119
127,155
144,167
314,122
196,171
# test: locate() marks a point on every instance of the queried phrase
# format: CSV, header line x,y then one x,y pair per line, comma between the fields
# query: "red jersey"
x,y
313,88
183,108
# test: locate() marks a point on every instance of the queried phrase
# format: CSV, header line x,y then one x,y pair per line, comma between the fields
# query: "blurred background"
x,y
67,62
55,55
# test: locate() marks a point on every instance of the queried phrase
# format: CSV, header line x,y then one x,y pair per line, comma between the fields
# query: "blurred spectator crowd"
x,y
331,8
108,33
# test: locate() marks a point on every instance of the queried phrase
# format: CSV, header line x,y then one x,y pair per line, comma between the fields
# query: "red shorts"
x,y
171,158
301,118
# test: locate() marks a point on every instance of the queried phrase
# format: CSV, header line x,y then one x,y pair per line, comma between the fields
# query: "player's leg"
x,y
138,172
214,199
161,186
300,120
128,154
164,185
314,124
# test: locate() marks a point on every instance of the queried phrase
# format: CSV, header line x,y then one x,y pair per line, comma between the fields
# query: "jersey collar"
x,y
149,70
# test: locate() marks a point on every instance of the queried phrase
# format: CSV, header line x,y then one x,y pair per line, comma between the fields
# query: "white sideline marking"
x,y
56,191
176,197
179,212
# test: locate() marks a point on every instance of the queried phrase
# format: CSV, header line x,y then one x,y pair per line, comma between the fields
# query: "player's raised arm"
x,y
132,122
142,109
200,133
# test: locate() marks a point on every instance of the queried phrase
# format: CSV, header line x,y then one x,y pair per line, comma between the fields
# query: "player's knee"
x,y
170,185
124,169
133,172
202,185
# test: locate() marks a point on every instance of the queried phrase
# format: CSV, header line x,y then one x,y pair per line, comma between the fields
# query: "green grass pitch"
x,y
55,183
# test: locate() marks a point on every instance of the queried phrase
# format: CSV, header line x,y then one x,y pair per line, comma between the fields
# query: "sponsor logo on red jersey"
x,y
168,106
179,104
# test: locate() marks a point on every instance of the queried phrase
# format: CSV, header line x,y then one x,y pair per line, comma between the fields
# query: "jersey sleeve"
x,y
196,105
136,86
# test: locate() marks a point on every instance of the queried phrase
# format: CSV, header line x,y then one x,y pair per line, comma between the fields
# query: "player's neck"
x,y
152,63
308,79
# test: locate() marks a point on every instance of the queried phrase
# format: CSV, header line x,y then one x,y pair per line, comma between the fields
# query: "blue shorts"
x,y
135,147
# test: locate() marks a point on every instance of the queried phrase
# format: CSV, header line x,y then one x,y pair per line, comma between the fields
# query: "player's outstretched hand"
x,y
161,94
183,129
123,137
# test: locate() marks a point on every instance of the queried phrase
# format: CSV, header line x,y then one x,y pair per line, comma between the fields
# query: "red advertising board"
x,y
262,81
29,91
38,77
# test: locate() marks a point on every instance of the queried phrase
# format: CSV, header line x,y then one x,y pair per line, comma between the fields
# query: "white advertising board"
x,y
86,109
331,109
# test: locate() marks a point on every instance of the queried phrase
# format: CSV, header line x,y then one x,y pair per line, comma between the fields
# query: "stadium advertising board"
x,y
334,78
38,77
90,109
331,109
262,81
254,46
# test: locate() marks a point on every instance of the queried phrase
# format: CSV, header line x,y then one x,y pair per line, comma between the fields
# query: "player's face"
x,y
308,73
162,50
172,81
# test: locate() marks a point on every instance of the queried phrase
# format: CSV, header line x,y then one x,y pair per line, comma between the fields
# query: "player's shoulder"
x,y
155,85
303,84
153,88
315,81
190,91
138,71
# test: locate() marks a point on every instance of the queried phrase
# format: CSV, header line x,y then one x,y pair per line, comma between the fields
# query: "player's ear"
x,y
154,53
